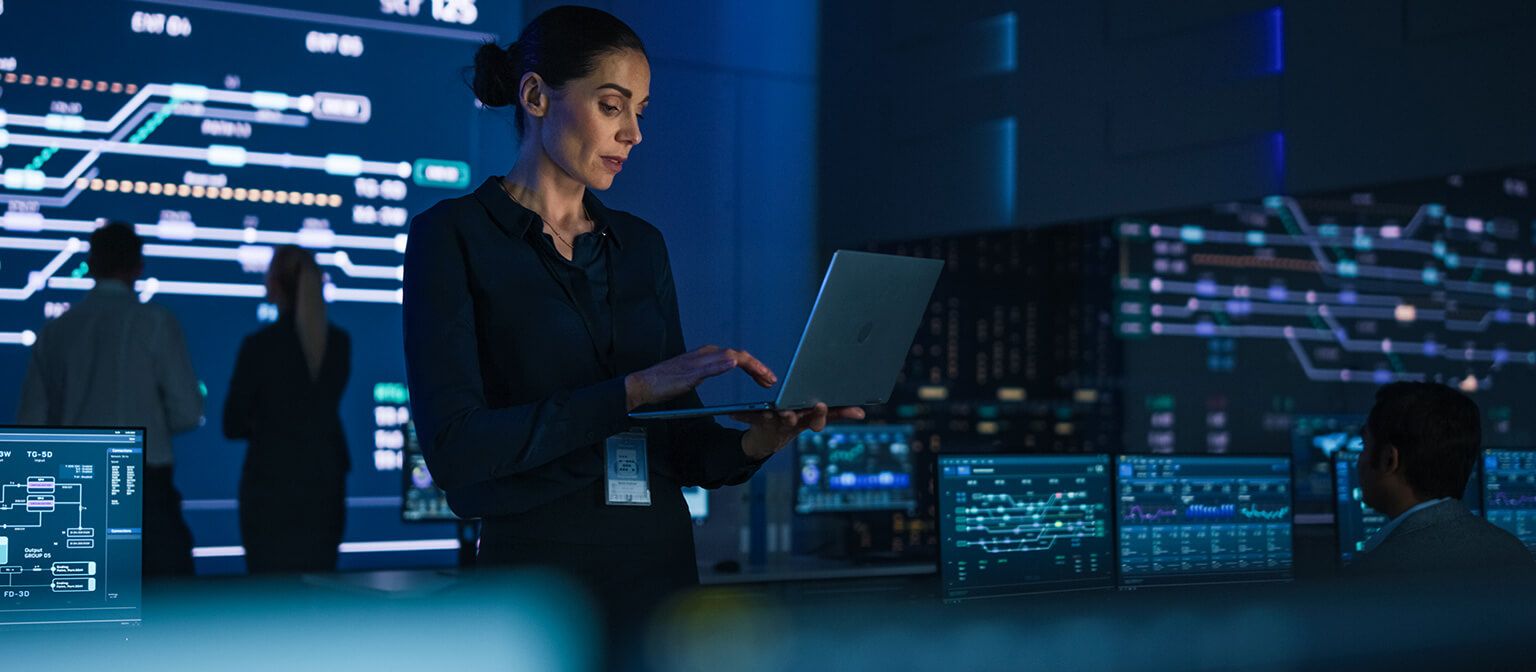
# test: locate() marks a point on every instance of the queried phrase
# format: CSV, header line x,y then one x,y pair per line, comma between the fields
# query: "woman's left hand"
x,y
772,430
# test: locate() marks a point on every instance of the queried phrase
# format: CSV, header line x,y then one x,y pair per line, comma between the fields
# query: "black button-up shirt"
x,y
512,389
589,285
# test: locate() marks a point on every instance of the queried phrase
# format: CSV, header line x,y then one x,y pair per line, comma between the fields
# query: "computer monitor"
x,y
1315,440
855,468
1200,519
71,525
421,500
1509,492
1017,524
1357,522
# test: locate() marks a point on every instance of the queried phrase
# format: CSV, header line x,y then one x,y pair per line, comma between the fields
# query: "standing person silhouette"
x,y
114,361
284,397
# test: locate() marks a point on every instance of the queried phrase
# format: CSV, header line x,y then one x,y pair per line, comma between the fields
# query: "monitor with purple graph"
x,y
1203,519
1509,492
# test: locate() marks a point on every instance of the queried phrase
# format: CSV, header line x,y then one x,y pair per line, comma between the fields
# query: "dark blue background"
x,y
781,131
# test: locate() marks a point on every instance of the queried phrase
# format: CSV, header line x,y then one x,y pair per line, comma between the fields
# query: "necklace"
x,y
562,239
552,229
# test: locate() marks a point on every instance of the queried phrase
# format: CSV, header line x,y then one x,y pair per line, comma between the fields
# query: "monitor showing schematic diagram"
x,y
70,525
1014,524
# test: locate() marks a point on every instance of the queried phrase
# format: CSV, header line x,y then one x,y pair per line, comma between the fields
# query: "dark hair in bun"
x,y
560,45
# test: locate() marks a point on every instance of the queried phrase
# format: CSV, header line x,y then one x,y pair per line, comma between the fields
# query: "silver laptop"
x,y
861,327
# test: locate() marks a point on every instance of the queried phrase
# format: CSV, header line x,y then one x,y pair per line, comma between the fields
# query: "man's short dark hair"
x,y
1437,432
116,250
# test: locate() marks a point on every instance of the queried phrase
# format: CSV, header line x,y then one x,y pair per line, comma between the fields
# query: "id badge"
x,y
629,481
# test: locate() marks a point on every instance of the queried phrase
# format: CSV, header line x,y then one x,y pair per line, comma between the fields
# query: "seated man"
x,y
1422,441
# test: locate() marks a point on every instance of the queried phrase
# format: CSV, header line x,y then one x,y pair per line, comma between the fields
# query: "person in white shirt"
x,y
113,361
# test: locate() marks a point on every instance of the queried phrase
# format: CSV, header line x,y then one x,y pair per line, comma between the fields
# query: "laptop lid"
x,y
860,330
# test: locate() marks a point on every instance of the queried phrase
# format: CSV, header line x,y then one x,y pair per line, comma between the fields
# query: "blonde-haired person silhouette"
x,y
284,398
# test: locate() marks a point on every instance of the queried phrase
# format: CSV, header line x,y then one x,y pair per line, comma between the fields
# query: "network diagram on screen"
x,y
70,528
221,131
1012,524
1325,297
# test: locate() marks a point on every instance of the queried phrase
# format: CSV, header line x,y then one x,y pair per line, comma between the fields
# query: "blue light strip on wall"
x,y
1005,28
1008,169
1276,20
1277,41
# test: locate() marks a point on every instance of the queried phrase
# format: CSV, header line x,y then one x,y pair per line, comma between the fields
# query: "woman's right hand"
x,y
681,374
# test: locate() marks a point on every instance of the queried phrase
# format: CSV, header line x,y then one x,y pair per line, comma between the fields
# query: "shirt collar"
x,y
515,219
111,287
1386,530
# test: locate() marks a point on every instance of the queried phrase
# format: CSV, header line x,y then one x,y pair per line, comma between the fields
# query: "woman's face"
x,y
594,122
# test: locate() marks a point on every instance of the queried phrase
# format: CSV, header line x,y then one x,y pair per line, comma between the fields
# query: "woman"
x,y
284,397
536,318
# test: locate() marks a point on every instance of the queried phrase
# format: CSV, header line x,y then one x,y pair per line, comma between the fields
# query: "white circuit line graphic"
x,y
43,496
250,247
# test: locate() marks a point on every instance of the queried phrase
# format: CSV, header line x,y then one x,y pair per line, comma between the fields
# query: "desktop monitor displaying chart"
x,y
70,525
1198,519
1015,524
846,468
1356,521
1509,492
